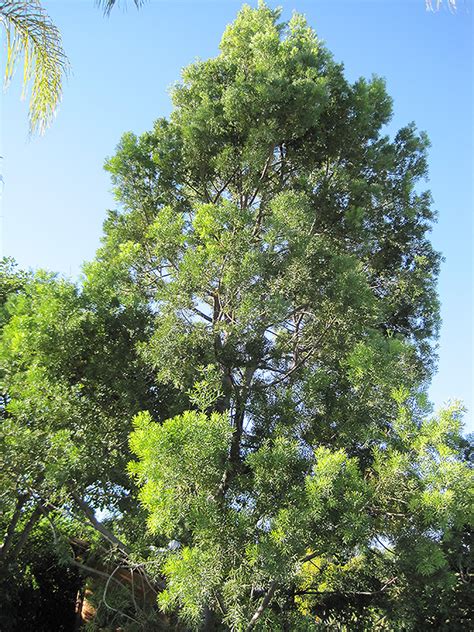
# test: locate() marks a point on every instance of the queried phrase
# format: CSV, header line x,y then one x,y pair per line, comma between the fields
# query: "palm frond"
x,y
432,5
108,5
31,34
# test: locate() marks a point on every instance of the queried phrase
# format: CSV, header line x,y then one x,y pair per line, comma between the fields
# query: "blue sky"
x,y
56,192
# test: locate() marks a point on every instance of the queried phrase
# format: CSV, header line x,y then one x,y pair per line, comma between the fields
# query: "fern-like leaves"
x,y
31,35
432,4
108,5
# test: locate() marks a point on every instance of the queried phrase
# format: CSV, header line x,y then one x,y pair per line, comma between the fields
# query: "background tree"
x,y
38,591
72,381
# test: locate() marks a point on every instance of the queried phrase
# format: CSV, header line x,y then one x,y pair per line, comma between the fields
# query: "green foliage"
x,y
191,578
181,463
281,240
38,590
71,381
31,35
59,356
263,306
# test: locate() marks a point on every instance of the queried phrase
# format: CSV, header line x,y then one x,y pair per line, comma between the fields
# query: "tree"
x,y
264,307
280,239
71,382
31,34
38,592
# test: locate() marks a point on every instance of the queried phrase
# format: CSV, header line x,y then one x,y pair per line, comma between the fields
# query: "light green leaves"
x,y
265,295
31,34
167,235
193,575
181,464
207,391
282,250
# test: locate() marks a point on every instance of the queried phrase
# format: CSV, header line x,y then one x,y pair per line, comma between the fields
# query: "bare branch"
x,y
201,314
110,578
108,535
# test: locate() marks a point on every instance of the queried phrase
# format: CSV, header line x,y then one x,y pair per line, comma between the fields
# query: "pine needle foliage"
x,y
32,36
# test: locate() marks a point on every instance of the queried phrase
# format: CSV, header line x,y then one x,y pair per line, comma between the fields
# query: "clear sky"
x,y
55,192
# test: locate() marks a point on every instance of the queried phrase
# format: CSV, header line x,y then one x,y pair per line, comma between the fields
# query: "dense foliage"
x,y
263,306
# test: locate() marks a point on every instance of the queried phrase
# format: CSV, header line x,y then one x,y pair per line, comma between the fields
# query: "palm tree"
x,y
31,35
108,5
431,4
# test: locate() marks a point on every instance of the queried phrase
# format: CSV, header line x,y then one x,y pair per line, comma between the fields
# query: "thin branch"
x,y
294,368
200,194
262,176
132,581
201,314
111,576
303,359
225,185
356,593
309,557
89,512
35,516
263,606
383,545
93,571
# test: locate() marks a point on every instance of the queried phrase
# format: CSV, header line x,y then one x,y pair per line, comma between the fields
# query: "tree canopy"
x,y
261,322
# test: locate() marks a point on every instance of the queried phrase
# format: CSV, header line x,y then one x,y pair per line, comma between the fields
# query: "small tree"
x,y
281,241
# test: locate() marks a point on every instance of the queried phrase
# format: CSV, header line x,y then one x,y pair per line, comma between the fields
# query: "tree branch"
x,y
201,314
262,607
108,535
12,526
33,519
294,368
